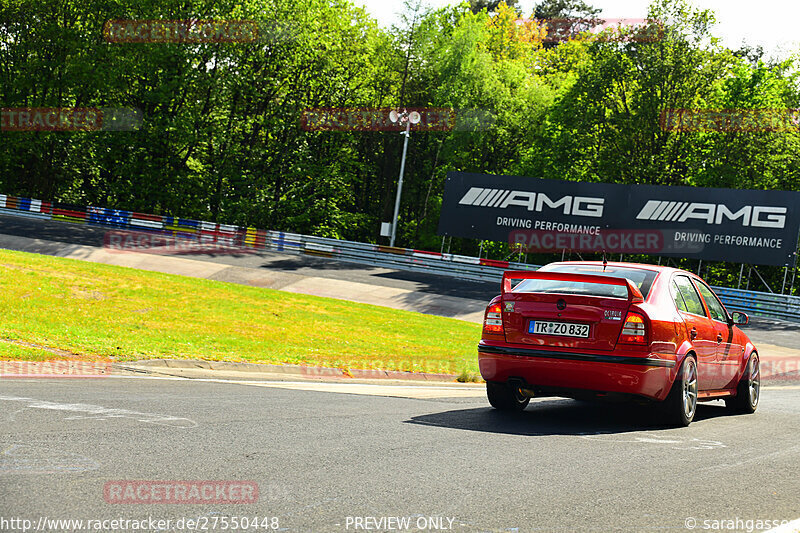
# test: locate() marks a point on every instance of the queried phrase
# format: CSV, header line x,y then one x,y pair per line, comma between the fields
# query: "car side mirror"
x,y
740,319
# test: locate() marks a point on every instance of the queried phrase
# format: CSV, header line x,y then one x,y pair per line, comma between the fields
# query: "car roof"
x,y
640,266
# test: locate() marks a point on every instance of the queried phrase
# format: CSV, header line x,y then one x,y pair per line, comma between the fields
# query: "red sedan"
x,y
593,330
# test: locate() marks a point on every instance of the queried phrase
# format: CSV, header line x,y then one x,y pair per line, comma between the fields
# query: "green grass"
x,y
99,311
15,352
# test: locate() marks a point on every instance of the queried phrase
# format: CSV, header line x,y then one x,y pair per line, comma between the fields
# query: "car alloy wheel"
x,y
505,397
689,387
748,392
754,380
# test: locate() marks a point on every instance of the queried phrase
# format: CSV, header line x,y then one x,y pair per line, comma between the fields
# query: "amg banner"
x,y
740,226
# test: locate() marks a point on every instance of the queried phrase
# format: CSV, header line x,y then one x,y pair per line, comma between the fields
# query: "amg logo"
x,y
755,216
582,206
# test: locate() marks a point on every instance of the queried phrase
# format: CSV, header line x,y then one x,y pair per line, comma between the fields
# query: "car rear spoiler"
x,y
634,294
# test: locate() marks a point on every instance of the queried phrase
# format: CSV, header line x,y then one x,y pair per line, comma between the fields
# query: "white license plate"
x,y
562,329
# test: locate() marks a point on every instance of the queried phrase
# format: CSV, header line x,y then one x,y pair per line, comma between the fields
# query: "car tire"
x,y
505,398
681,404
748,391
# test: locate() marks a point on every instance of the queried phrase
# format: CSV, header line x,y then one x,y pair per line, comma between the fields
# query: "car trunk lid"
x,y
566,310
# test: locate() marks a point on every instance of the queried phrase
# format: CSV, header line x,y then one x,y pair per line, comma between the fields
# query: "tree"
x,y
559,9
491,5
606,126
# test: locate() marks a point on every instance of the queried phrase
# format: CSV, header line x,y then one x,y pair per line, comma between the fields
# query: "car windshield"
x,y
641,278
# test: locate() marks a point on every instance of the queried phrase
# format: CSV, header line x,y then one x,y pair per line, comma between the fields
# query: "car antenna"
x,y
605,261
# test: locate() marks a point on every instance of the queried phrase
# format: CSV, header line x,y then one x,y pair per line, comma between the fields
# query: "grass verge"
x,y
99,311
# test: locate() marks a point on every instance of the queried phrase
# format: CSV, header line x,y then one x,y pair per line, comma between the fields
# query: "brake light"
x,y
493,323
633,331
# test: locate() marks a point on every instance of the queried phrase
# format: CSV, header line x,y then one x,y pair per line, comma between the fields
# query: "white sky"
x,y
772,24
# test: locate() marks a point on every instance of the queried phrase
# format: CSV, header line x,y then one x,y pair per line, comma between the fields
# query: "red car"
x,y
593,330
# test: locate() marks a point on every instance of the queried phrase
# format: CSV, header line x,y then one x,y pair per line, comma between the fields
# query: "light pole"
x,y
408,119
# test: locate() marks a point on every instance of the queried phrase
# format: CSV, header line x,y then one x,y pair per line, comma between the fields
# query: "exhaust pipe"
x,y
521,385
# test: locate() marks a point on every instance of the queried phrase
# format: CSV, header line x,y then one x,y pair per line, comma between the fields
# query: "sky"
x,y
769,23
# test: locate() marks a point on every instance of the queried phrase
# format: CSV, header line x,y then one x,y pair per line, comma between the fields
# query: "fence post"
x,y
741,271
785,274
763,280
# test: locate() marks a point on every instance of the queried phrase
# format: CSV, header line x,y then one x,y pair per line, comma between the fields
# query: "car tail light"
x,y
634,330
493,323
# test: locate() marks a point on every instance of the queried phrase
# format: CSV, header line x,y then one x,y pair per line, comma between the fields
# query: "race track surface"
x,y
351,456
320,457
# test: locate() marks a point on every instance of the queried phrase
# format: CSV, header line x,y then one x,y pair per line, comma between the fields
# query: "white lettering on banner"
x,y
581,206
728,240
714,214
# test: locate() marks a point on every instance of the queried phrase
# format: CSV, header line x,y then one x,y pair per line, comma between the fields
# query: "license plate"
x,y
562,329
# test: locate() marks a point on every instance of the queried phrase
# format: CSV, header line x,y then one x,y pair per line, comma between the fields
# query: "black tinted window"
x,y
572,287
641,278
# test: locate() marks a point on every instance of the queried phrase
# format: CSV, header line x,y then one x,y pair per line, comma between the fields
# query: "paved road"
x,y
320,457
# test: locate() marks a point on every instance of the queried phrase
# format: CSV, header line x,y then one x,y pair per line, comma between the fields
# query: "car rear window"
x,y
641,278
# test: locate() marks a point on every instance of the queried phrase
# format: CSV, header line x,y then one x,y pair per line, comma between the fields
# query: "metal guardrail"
x,y
460,266
781,306
463,267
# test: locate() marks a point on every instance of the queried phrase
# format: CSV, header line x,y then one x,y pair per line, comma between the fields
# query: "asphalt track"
x,y
324,454
321,457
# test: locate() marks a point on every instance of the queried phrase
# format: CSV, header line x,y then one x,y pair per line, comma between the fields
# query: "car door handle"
x,y
693,333
719,338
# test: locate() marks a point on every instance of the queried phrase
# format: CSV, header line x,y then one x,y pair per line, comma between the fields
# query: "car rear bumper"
x,y
648,375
